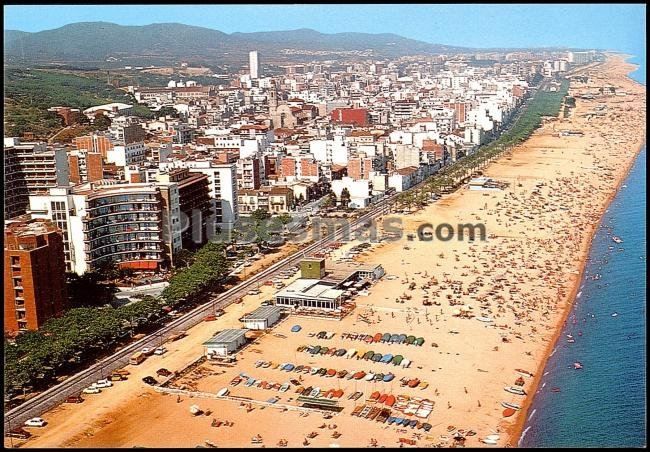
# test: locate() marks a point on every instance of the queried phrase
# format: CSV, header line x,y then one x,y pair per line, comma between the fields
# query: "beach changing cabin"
x,y
225,343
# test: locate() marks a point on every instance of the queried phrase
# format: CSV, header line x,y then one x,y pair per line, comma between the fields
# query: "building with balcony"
x,y
106,223
31,168
272,199
34,274
194,202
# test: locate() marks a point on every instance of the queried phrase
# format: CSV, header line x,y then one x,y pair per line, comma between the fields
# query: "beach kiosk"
x,y
225,343
262,318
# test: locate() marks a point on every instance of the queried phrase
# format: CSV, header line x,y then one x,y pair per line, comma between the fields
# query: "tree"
x,y
260,215
168,111
102,122
183,258
345,197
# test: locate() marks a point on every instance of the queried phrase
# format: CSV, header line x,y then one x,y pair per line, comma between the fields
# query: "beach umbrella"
x,y
369,354
359,375
377,337
324,350
375,395
388,377
397,360
385,337
386,358
338,393
464,308
295,328
289,367
456,312
351,353
340,352
390,400
410,340
376,357
401,338
406,363
394,337
419,341
315,350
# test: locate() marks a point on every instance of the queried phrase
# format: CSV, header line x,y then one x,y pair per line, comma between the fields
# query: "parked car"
x,y
164,372
209,318
150,380
267,303
103,384
35,422
92,390
147,351
254,292
118,377
74,399
122,372
160,351
219,312
19,433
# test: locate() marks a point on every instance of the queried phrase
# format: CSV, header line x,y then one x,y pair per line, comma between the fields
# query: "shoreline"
x,y
517,429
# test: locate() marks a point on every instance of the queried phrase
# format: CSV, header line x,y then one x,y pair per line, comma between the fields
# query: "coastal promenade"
x,y
524,277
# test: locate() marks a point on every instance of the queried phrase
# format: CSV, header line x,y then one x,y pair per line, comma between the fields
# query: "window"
x,y
15,261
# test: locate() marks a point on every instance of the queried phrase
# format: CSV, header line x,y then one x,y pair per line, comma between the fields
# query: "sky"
x,y
603,26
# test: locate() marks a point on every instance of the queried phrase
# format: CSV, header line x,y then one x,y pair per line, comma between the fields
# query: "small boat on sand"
x,y
514,406
525,373
514,390
484,319
509,412
223,392
490,442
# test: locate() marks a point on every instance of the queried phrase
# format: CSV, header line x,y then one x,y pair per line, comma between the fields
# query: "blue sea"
x,y
602,404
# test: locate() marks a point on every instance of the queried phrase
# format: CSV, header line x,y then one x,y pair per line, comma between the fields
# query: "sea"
x,y
603,403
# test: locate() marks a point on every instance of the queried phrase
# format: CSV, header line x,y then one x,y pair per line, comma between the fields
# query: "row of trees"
x,y
543,103
83,333
208,268
61,344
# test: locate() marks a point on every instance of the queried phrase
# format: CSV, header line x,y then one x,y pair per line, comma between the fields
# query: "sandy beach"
x,y
522,279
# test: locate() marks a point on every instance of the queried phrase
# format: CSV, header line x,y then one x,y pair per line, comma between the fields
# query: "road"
x,y
76,383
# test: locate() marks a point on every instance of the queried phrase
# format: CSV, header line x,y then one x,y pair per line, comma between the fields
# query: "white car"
x,y
35,422
147,351
92,390
254,292
103,384
160,351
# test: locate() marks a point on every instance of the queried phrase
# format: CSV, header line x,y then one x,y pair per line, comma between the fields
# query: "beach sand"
x,y
524,277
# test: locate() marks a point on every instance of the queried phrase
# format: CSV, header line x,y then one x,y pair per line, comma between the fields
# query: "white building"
x,y
124,155
225,343
262,318
222,181
254,64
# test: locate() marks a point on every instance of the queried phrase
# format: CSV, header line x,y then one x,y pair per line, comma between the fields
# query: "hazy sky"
x,y
609,26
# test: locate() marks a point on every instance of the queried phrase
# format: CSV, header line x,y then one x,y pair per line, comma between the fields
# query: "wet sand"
x,y
523,278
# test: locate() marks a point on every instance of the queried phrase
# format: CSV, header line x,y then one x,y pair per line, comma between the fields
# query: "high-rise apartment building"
x,y
194,204
106,222
34,274
31,168
253,64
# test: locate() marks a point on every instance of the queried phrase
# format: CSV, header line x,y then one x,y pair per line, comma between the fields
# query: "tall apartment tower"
x,y
253,64
34,274
31,168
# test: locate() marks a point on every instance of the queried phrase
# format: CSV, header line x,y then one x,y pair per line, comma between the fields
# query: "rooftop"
x,y
310,288
226,336
262,313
